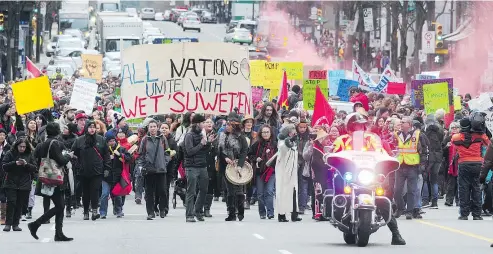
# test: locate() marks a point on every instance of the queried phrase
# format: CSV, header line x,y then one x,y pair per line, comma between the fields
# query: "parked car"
x,y
147,13
167,15
232,24
158,16
74,57
238,35
191,23
208,17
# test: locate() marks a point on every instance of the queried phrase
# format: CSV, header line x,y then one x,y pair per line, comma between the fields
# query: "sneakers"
x,y
191,219
409,216
199,217
434,205
138,201
477,218
23,218
463,218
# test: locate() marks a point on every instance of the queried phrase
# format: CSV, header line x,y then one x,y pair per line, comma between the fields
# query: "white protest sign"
x,y
84,95
482,103
212,78
489,120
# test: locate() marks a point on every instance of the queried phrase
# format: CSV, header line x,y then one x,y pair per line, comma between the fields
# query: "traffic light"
x,y
1,21
319,14
438,36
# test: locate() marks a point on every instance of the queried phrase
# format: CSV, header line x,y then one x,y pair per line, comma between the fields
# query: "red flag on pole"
x,y
283,92
33,71
323,114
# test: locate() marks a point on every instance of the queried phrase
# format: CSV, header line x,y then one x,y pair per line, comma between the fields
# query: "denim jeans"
x,y
406,176
139,186
302,193
265,194
417,198
105,196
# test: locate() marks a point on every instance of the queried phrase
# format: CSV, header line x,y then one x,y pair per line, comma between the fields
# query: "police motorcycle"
x,y
357,211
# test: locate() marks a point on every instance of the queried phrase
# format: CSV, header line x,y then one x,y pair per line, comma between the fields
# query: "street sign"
x,y
428,43
368,19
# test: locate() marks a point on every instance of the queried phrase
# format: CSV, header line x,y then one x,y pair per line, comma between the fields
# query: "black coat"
x,y
93,159
18,177
195,153
56,150
6,148
115,174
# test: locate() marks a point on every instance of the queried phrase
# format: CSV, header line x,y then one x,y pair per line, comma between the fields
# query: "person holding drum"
x,y
233,149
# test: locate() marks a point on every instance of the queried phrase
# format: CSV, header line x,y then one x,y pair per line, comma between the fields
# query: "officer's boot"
x,y
396,236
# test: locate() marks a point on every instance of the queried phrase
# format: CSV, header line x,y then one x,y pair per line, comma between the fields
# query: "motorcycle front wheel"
x,y
364,227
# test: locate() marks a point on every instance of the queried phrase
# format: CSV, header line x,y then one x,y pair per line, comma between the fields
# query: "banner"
x,y
396,88
309,89
317,74
83,95
435,96
32,94
92,66
257,73
211,78
294,70
417,91
257,94
273,75
344,86
334,77
366,83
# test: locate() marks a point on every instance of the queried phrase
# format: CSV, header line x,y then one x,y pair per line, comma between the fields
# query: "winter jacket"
x,y
147,152
449,157
114,175
259,150
211,157
172,166
195,152
56,150
93,160
6,148
361,97
18,177
435,137
63,123
67,141
293,98
233,153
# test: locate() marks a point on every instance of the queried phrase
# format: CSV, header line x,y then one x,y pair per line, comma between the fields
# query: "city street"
x,y
209,33
439,231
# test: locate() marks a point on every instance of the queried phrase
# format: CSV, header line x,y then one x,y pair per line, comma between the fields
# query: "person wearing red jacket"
x,y
357,95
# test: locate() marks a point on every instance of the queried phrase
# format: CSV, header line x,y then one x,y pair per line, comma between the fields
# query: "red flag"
x,y
323,114
34,72
283,92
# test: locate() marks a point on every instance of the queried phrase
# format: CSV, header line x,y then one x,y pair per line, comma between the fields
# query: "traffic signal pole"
x,y
38,32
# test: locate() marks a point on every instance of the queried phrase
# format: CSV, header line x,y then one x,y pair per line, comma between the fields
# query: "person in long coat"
x,y
287,174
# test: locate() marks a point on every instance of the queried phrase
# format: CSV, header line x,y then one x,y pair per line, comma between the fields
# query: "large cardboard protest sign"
x,y
32,94
309,91
202,77
83,95
344,86
435,96
294,70
334,77
257,94
92,66
257,73
417,91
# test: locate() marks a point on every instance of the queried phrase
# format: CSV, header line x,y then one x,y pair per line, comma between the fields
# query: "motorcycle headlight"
x,y
366,177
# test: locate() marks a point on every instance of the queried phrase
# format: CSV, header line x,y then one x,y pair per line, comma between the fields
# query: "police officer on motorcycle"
x,y
357,122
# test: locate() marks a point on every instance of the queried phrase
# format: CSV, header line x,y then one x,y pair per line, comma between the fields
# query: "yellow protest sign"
x,y
273,75
457,104
32,94
294,70
257,73
436,96
273,93
92,66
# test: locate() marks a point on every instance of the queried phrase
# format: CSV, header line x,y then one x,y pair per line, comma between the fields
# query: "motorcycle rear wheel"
x,y
364,228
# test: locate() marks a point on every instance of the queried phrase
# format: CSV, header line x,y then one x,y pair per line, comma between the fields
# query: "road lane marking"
x,y
456,231
284,252
52,228
259,236
45,240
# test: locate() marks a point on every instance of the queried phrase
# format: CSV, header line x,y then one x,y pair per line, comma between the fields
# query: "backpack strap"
x,y
49,148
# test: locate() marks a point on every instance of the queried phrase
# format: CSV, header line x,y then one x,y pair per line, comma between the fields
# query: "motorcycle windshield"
x,y
366,153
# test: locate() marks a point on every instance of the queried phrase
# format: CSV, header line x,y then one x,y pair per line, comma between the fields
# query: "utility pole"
x,y
336,39
17,23
38,31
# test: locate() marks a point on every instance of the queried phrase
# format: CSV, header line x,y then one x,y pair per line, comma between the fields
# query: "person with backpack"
x,y
153,161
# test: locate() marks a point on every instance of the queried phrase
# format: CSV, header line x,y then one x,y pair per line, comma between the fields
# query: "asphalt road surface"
x,y
439,231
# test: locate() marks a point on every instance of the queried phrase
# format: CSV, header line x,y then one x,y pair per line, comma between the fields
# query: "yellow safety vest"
x,y
408,150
